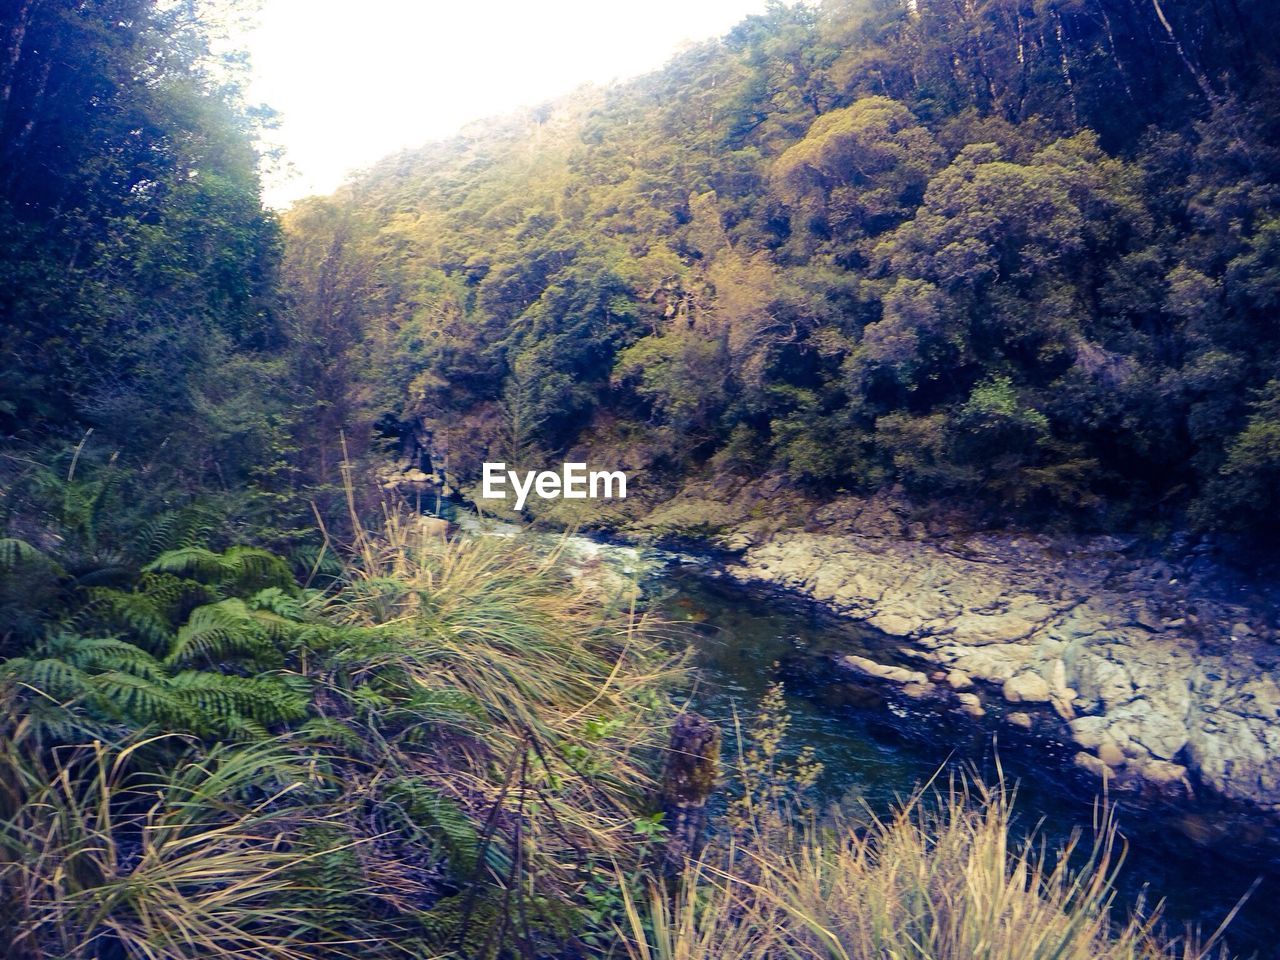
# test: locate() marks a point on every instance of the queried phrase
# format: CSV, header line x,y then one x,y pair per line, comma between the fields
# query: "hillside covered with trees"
x,y
1016,254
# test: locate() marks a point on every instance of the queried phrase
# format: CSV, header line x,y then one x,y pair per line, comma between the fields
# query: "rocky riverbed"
x,y
1160,669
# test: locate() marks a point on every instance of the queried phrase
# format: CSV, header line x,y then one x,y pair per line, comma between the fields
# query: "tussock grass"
x,y
942,879
102,857
568,721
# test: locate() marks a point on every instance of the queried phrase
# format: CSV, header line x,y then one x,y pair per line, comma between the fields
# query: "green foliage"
x,y
891,243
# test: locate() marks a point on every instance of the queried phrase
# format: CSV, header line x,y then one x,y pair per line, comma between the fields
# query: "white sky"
x,y
356,80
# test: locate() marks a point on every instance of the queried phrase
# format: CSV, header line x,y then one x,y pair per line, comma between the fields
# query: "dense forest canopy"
x,y
1014,252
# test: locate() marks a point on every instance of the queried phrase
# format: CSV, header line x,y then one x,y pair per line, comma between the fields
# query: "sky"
x,y
355,81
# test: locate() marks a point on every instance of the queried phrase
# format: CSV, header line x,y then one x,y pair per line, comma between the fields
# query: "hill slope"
x,y
1013,253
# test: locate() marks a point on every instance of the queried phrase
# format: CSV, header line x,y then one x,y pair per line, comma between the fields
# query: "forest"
x,y
1011,254
1019,257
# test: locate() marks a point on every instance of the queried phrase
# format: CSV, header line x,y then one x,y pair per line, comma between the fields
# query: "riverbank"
x,y
1158,669
1152,661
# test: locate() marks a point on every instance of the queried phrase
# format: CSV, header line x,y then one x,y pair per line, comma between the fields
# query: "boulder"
x,y
883,671
1027,688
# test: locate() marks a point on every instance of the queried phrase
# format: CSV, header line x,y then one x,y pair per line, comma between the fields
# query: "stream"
x,y
1199,857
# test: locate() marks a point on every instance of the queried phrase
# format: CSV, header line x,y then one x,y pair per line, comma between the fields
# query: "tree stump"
x,y
690,777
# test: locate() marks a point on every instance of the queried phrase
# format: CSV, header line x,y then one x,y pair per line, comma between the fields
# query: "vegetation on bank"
x,y
434,747
1016,255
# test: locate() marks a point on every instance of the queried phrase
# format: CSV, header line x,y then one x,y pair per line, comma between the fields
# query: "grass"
x,y
470,773
941,879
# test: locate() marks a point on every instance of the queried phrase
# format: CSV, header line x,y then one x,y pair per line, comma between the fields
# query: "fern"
x,y
278,602
220,631
15,553
54,678
221,701
99,654
140,614
172,530
140,701
326,731
441,821
238,571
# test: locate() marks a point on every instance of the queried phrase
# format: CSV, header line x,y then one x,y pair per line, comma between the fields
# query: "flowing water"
x,y
1199,857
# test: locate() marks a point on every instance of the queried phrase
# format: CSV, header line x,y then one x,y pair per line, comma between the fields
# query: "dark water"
x,y
1200,857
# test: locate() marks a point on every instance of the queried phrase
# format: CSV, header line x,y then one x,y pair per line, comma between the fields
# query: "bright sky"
x,y
356,81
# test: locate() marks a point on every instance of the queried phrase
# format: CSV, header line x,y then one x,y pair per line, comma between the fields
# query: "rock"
x,y
1089,732
433,527
1002,628
1135,645
1027,688
1019,719
893,624
971,704
883,671
1164,774
416,476
1111,754
1091,764
918,691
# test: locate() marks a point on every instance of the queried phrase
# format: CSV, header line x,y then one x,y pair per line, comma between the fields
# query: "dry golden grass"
x,y
940,880
569,684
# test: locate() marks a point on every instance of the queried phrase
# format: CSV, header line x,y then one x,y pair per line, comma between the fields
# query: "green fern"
x,y
425,811
279,602
239,571
16,553
229,629
49,677
139,701
98,654
221,700
172,530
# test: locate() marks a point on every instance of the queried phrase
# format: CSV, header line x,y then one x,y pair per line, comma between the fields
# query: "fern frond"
x,y
140,614
219,631
173,530
250,569
438,818
100,654
139,701
278,602
197,562
232,702
54,677
16,553
326,731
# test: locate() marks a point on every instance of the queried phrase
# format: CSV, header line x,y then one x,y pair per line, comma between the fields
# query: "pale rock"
x,y
433,526
979,630
893,624
1027,688
1088,762
1110,753
1019,719
883,671
1164,774
1074,627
